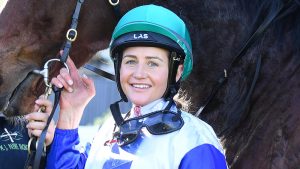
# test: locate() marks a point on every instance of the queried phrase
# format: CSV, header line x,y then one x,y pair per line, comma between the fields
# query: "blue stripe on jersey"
x,y
205,156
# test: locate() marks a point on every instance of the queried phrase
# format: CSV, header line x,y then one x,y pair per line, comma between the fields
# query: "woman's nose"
x,y
140,71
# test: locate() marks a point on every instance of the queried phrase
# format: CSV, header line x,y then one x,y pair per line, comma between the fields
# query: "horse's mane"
x,y
227,104
259,10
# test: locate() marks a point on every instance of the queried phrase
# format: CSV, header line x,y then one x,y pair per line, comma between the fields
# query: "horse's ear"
x,y
179,72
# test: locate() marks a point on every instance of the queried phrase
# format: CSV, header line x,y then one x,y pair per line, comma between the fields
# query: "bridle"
x,y
36,146
116,7
282,11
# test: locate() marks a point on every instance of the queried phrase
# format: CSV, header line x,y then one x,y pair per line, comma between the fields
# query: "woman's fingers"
x,y
49,135
89,84
43,102
65,78
37,123
72,68
37,116
63,81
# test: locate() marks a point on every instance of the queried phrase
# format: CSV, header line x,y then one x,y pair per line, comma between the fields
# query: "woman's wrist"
x,y
69,120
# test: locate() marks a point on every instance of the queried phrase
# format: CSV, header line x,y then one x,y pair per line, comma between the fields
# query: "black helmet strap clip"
x,y
173,86
116,113
117,59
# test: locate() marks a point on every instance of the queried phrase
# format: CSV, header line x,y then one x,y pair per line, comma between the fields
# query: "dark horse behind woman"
x,y
253,105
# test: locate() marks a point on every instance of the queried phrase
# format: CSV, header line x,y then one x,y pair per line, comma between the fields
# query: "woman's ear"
x,y
179,72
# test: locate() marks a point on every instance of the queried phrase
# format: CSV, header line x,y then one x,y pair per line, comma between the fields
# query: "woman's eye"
x,y
152,64
130,62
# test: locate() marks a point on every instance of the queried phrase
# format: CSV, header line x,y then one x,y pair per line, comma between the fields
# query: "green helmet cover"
x,y
160,20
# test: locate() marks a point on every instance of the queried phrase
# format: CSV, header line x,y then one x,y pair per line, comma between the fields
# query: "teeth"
x,y
141,86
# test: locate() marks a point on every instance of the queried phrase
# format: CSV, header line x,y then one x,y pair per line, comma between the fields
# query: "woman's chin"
x,y
140,101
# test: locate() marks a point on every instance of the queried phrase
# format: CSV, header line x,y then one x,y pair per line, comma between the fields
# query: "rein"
x,y
281,12
116,7
36,146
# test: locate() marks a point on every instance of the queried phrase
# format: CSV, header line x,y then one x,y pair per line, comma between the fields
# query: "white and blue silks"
x,y
194,146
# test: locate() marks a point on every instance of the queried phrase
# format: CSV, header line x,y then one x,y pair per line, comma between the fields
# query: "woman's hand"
x,y
37,120
77,92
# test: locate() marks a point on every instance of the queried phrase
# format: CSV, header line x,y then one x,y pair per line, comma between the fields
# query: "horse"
x,y
35,35
251,102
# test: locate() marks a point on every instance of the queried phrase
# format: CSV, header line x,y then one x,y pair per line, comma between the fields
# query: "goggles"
x,y
157,123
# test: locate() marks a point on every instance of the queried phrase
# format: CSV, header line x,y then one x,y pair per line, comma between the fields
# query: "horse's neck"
x,y
129,4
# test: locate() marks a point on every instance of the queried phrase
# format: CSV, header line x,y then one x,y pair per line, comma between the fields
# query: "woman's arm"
x,y
65,151
204,156
77,92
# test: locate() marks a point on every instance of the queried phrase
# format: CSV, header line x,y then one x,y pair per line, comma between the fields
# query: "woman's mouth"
x,y
141,86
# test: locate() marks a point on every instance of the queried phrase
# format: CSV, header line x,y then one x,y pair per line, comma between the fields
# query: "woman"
x,y
151,50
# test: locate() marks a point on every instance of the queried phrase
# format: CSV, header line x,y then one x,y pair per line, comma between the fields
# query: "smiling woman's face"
x,y
144,74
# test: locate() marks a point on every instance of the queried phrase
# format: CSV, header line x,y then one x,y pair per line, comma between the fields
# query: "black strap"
x,y
72,33
173,86
256,35
30,158
116,7
242,107
100,72
39,152
116,113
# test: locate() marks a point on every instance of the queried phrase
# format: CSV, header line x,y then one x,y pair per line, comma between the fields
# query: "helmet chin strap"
x,y
117,115
117,65
171,90
173,86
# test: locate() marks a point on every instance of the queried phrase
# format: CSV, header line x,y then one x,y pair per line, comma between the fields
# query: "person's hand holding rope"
x,y
37,120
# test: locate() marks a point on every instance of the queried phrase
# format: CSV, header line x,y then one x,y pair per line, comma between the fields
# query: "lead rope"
x,y
32,143
40,147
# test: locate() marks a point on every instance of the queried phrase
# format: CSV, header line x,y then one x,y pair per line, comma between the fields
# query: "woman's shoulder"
x,y
197,124
196,131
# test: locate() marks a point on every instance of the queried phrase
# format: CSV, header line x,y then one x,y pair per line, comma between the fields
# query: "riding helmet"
x,y
155,26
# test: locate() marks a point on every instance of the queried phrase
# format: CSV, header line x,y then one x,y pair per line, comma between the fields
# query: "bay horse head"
x,y
32,32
